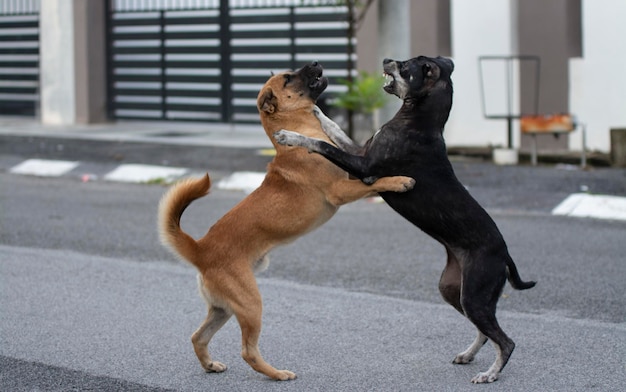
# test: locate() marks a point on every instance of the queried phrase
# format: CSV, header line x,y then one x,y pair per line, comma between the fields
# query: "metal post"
x,y
509,103
225,53
533,153
583,157
292,36
163,65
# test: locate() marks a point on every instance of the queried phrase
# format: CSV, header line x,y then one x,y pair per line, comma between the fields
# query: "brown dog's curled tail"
x,y
514,279
171,208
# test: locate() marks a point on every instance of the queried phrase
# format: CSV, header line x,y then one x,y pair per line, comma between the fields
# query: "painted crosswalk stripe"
x,y
144,173
583,205
241,181
44,167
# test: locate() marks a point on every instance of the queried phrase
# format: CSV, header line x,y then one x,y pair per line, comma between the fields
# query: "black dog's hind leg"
x,y
469,354
450,282
450,289
479,298
356,165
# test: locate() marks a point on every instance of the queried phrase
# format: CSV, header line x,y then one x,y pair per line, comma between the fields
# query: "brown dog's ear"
x,y
267,101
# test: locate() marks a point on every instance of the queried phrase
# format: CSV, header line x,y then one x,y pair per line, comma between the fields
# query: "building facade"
x,y
578,43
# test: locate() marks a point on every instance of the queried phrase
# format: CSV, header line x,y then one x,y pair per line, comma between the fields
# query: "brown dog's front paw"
x,y
392,184
404,184
284,375
409,184
214,367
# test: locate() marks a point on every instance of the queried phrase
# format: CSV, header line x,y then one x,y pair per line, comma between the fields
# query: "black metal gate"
x,y
19,59
209,64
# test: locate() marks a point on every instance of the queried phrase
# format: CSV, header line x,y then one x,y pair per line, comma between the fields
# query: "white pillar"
x,y
394,31
72,62
598,81
56,37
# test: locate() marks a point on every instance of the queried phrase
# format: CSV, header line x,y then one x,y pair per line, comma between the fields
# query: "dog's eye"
x,y
405,71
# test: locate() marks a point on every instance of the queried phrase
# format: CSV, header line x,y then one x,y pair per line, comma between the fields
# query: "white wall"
x,y
479,27
598,80
597,91
57,62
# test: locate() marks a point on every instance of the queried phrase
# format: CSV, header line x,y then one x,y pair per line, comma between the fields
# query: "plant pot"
x,y
505,156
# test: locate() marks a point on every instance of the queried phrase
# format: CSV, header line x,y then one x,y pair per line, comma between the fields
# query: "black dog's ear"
x,y
267,101
447,62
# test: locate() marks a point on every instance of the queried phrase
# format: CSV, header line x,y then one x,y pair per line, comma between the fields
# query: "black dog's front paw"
x,y
369,180
282,138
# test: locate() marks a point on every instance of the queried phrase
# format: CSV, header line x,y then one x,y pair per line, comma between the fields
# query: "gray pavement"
x,y
98,307
222,148
123,325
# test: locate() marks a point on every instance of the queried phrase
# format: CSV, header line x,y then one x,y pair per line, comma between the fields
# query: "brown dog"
x,y
300,192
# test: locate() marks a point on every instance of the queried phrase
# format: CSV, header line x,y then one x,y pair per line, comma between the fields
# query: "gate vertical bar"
x,y
109,56
292,36
225,69
163,65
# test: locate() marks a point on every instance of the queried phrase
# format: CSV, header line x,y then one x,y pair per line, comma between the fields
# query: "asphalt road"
x,y
90,301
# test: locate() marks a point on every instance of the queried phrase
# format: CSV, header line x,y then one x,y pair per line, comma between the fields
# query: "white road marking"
x,y
44,167
242,181
583,205
144,173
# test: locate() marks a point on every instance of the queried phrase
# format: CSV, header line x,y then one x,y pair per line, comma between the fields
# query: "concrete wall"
x,y
550,30
580,42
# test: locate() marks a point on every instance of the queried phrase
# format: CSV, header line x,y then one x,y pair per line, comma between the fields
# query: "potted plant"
x,y
363,96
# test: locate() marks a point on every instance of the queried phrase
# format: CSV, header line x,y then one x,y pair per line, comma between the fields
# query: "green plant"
x,y
364,94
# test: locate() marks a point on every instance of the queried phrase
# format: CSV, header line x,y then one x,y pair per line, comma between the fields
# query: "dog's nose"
x,y
314,64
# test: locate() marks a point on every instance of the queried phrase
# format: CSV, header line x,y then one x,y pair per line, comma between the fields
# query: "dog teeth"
x,y
388,79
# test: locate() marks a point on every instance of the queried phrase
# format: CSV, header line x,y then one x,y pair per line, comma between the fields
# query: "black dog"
x,y
412,145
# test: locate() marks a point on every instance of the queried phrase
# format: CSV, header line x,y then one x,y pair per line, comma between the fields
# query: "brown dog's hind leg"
x,y
250,330
216,318
243,297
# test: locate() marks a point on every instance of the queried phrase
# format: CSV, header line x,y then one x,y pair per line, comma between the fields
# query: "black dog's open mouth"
x,y
390,81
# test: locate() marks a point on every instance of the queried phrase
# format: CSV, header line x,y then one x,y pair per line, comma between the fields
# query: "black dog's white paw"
x,y
484,378
285,138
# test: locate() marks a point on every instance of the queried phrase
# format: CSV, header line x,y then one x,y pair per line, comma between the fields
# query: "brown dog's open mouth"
x,y
316,82
319,83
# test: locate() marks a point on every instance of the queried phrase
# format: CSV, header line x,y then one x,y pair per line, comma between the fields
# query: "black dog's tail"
x,y
514,278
